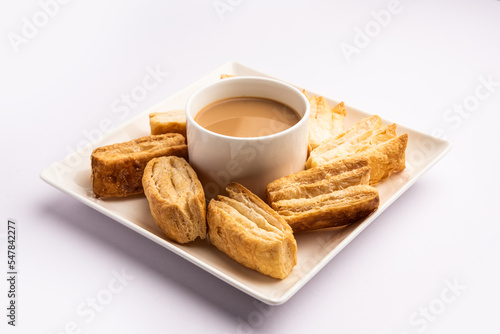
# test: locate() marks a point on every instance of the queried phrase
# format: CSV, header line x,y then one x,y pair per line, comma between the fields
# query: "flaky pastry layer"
x,y
176,198
246,229
117,169
173,121
330,195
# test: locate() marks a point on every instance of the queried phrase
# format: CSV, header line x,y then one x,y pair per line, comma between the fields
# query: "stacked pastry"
x,y
333,194
368,139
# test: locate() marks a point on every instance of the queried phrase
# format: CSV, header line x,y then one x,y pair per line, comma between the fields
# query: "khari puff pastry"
x,y
324,122
176,198
173,121
334,194
251,233
117,169
368,139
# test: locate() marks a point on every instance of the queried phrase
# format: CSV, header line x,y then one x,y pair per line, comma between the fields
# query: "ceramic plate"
x,y
315,249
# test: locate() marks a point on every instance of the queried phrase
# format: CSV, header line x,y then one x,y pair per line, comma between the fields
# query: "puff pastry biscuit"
x,y
337,208
246,229
385,158
173,121
117,169
358,133
367,139
324,122
353,146
176,198
316,181
334,194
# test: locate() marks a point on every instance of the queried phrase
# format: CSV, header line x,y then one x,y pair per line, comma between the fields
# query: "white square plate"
x,y
315,249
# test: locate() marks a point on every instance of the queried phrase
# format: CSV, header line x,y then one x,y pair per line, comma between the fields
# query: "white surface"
x,y
65,86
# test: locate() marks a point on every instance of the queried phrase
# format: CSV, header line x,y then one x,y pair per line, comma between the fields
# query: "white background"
x,y
429,58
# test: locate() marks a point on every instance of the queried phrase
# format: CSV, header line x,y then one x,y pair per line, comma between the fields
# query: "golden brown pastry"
x,y
326,178
369,140
176,198
324,122
356,134
251,233
117,169
384,157
337,208
173,121
333,194
338,115
353,146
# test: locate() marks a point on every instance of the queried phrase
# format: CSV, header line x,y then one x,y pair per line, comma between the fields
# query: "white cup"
x,y
253,162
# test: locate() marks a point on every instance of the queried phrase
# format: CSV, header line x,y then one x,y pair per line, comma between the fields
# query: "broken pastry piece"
x,y
173,121
117,169
331,195
246,229
176,198
324,122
